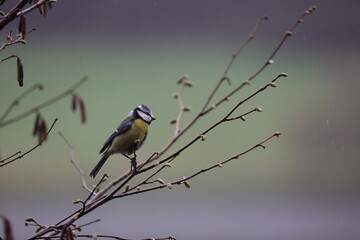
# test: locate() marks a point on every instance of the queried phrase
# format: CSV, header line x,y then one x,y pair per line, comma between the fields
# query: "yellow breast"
x,y
130,140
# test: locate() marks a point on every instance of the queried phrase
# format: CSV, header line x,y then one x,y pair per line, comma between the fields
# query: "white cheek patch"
x,y
144,116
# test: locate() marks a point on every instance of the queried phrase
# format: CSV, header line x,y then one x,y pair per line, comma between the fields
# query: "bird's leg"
x,y
133,162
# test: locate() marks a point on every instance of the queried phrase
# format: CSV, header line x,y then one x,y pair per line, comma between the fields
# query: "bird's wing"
x,y
122,128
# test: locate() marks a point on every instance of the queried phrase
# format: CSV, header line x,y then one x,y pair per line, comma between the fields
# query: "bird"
x,y
128,137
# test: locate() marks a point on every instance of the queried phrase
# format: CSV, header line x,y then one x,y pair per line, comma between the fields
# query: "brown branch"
x,y
184,179
12,14
232,60
20,39
268,61
73,162
225,119
102,236
9,160
34,6
17,100
40,106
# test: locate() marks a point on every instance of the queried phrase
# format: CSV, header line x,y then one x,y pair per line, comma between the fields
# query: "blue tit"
x,y
128,137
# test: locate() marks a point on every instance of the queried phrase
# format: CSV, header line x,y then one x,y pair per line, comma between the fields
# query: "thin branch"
x,y
8,161
12,14
18,40
102,236
232,60
225,119
32,7
17,100
73,162
184,179
202,137
268,62
42,105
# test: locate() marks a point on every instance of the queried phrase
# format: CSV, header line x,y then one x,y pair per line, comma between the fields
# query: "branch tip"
x,y
283,75
272,84
289,33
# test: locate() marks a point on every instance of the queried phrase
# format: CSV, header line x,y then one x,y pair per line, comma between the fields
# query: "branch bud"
x,y
183,78
243,118
175,95
76,201
29,219
220,165
188,84
173,121
202,137
168,164
169,185
259,109
187,184
127,187
289,33
187,109
283,75
271,61
159,180
272,84
94,236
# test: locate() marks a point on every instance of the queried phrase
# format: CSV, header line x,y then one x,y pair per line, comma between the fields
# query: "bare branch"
x,y
73,161
12,14
20,39
182,180
51,101
10,160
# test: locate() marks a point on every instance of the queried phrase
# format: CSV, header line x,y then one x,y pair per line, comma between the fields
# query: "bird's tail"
x,y
96,169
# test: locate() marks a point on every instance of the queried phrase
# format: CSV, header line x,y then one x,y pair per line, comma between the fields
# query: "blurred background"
x,y
304,185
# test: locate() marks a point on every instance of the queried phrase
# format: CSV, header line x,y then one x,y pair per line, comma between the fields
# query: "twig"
x,y
182,180
17,100
268,62
12,14
202,137
42,105
225,119
8,161
73,162
32,7
232,60
18,40
102,236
